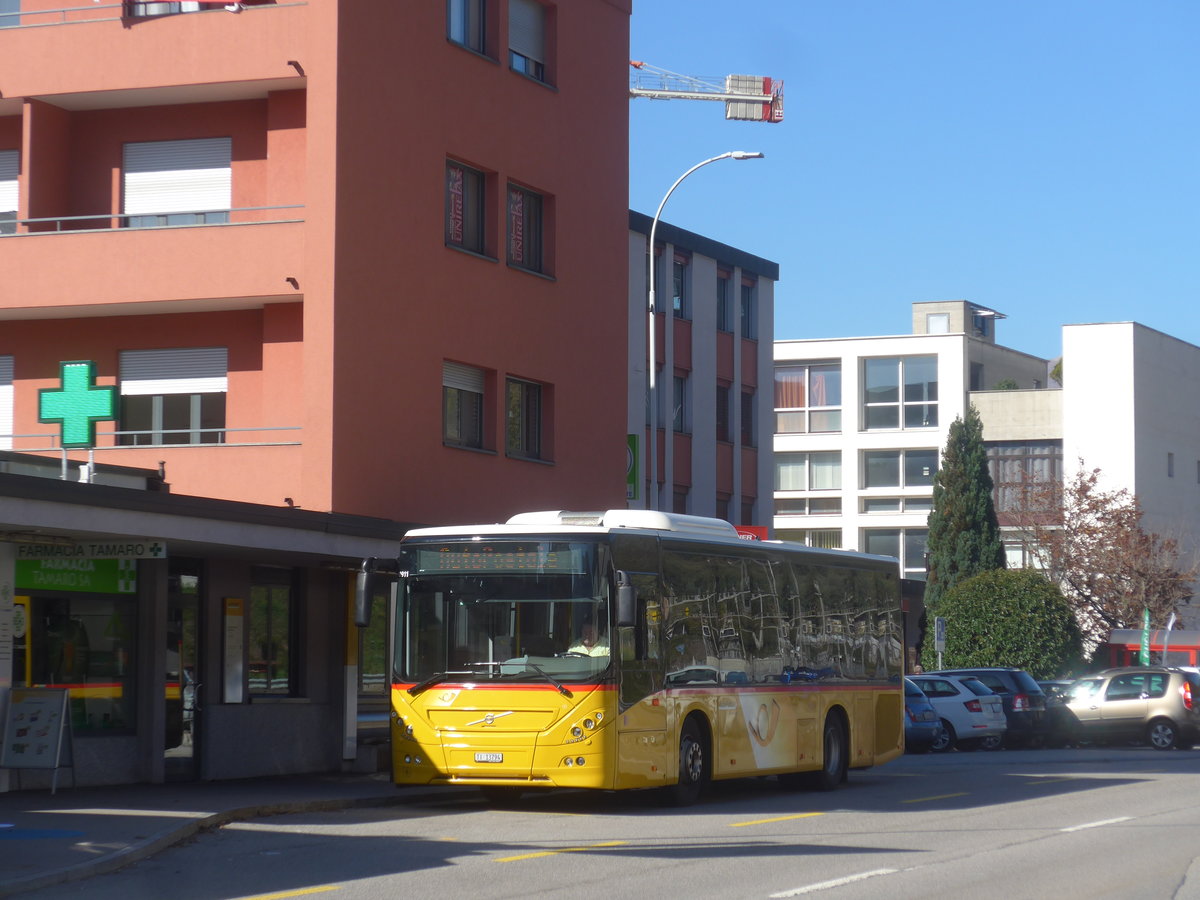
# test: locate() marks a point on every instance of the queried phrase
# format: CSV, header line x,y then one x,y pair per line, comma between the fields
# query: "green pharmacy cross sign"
x,y
78,404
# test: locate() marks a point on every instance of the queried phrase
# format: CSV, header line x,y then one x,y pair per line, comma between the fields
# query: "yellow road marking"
x,y
935,797
563,850
297,893
776,819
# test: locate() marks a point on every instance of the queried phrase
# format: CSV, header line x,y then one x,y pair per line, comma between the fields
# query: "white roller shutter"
x,y
527,29
191,370
9,166
177,176
6,402
464,378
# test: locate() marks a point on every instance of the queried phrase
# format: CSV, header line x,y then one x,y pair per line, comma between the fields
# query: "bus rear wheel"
x,y
835,762
693,767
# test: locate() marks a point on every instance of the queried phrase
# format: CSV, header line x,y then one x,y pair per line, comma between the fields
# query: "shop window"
x,y
85,643
272,627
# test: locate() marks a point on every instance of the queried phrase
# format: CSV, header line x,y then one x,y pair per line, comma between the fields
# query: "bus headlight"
x,y
589,724
577,732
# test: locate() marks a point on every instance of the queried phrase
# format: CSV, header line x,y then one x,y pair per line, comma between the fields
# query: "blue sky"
x,y
1038,157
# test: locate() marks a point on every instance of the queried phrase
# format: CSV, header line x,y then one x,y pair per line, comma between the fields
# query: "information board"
x,y
36,730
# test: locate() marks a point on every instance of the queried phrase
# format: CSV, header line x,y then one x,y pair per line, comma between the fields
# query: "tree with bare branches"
x,y
1091,542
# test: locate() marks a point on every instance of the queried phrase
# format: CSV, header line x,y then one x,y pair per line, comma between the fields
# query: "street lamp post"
x,y
652,375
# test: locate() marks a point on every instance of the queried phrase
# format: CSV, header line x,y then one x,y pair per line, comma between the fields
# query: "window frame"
x,y
524,416
471,23
458,385
460,232
806,457
895,395
525,215
724,319
527,59
748,319
154,385
820,378
681,305
277,585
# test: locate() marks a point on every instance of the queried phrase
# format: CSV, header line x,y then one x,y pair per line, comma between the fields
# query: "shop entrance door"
x,y
182,679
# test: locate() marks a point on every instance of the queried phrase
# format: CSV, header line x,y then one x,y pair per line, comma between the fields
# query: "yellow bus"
x,y
638,649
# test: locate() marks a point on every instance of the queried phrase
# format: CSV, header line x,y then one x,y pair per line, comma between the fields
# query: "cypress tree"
x,y
964,536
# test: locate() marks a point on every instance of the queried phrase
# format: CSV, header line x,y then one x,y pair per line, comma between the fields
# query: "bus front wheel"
x,y
693,766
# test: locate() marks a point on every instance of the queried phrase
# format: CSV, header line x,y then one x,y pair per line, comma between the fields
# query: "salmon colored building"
x,y
361,256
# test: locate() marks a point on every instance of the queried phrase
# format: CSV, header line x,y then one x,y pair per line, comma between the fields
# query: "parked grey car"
x,y
1155,704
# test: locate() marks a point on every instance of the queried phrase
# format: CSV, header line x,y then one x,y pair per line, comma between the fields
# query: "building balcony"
x,y
102,55
135,271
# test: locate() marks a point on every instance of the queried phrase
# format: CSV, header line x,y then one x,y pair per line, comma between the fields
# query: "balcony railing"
x,y
142,221
132,9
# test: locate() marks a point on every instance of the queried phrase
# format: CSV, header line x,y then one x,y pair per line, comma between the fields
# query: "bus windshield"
x,y
535,609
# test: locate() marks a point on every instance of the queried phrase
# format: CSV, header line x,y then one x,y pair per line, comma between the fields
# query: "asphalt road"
x,y
1116,823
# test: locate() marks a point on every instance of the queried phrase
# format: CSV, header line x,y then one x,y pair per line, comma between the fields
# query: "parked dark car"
x,y
1024,703
1154,704
1060,727
922,725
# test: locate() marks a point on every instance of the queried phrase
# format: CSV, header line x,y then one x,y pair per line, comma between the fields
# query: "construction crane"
x,y
751,98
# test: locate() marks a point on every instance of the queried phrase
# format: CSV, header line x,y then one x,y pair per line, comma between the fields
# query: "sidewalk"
x,y
79,832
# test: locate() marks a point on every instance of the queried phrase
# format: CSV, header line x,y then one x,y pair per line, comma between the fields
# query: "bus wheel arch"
x,y
695,761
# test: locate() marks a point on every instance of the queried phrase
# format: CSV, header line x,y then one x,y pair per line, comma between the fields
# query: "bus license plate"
x,y
489,757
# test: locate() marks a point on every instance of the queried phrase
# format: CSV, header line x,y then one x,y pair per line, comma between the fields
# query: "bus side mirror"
x,y
626,601
366,583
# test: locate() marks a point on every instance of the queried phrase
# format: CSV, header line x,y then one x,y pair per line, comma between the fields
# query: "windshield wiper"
x,y
438,677
562,689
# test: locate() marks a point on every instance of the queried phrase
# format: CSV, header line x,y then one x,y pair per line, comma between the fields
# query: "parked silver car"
x,y
972,716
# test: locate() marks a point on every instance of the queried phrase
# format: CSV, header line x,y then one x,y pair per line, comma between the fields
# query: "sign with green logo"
x,y
92,576
78,405
632,457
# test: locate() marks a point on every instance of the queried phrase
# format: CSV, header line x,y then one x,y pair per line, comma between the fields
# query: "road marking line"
x,y
776,819
1097,824
1051,780
297,893
836,882
563,850
935,797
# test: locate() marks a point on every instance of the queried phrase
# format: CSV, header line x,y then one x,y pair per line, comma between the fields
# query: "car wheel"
x,y
1162,734
946,740
693,767
992,742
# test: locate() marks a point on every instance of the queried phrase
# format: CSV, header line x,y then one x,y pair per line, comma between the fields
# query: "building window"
x,y
527,38
899,468
465,23
680,306
906,544
523,412
897,505
9,10
173,396
680,420
748,418
724,314
937,323
1025,474
525,224
808,398
462,405
464,207
723,417
679,500
6,402
162,7
818,471
9,168
902,390
722,507
808,506
747,511
272,633
822,538
177,182
749,319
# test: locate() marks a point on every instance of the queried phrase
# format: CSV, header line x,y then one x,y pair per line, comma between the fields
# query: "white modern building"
x,y
713,359
861,422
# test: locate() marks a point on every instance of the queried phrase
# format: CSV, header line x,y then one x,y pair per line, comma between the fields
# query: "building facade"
x,y
329,263
313,280
713,336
